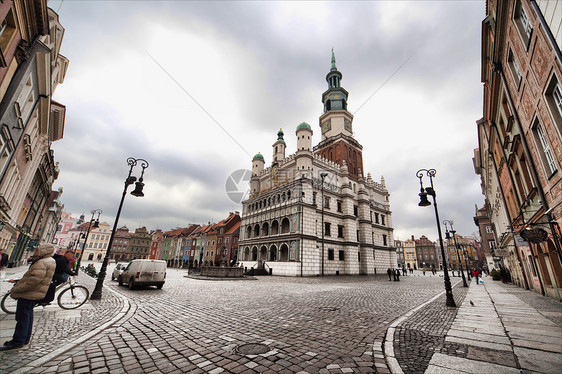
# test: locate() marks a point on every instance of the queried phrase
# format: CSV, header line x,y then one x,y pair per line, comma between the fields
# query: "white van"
x,y
144,273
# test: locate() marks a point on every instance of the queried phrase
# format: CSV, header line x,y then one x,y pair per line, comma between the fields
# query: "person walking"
x,y
389,273
397,275
423,271
475,275
31,287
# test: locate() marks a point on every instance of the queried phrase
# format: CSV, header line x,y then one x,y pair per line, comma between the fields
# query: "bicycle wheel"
x,y
8,304
73,297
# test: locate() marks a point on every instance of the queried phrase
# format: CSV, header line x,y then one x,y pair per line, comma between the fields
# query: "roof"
x,y
258,156
233,229
304,126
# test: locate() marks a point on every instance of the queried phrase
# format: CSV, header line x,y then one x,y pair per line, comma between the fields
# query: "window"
x,y
341,255
226,240
492,244
355,210
553,96
382,220
330,254
542,142
523,23
376,218
339,204
384,240
326,202
514,66
557,96
357,235
489,230
314,198
340,231
327,228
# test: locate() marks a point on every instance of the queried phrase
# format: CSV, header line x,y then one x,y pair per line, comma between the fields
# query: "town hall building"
x,y
314,212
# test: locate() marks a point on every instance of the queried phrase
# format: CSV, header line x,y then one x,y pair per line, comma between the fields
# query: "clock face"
x,y
347,125
326,126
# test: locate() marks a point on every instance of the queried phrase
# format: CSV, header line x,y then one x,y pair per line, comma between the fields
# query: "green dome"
x,y
304,126
258,157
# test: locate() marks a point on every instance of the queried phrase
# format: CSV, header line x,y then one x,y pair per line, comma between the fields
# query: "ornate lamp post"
x,y
424,202
323,175
450,223
132,162
96,225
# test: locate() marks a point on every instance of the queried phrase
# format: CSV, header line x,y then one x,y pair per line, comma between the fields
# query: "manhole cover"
x,y
252,349
329,309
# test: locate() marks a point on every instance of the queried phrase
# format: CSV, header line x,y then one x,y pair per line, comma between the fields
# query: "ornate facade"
x,y
318,190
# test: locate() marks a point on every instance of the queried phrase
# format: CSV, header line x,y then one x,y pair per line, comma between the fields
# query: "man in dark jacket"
x,y
62,271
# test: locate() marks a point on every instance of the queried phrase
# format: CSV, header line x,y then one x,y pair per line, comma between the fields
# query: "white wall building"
x,y
282,220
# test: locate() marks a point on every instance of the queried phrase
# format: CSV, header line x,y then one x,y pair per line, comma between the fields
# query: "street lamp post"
x,y
96,225
323,175
424,202
450,223
132,162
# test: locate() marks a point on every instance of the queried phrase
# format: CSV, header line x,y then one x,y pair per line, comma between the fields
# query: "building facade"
x,y
400,258
139,247
31,68
409,247
425,253
314,212
520,138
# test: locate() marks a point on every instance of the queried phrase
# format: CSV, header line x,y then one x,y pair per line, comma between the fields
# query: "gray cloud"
x,y
289,57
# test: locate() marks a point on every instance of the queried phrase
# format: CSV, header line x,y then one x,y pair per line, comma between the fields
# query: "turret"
x,y
257,167
304,148
279,147
258,163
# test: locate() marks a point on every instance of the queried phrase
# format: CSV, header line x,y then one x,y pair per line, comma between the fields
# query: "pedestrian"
x,y
31,287
389,273
423,271
397,275
411,270
394,274
433,270
3,259
404,271
475,275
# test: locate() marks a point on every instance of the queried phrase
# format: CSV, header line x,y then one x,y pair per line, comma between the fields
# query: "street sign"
x,y
535,235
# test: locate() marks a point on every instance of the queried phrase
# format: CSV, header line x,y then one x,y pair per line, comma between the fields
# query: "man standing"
x,y
389,273
31,287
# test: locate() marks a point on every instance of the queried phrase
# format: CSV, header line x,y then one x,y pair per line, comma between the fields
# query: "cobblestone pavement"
x,y
423,333
314,325
54,327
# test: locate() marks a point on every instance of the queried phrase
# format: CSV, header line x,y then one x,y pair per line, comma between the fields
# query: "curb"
x,y
387,343
48,357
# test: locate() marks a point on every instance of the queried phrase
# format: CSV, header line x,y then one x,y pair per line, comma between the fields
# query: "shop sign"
x,y
535,235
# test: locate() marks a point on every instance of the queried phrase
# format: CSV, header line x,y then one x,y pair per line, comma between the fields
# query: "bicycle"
x,y
72,297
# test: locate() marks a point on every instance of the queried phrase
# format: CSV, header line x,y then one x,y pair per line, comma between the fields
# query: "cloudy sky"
x,y
197,88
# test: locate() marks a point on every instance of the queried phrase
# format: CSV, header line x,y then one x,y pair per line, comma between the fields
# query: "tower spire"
x,y
334,68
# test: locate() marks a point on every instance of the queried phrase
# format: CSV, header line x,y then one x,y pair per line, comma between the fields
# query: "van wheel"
x,y
120,281
132,283
159,286
112,277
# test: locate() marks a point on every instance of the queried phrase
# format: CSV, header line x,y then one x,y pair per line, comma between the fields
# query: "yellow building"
x,y
410,254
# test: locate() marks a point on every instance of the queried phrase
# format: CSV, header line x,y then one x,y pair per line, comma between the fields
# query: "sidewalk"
x,y
56,330
499,334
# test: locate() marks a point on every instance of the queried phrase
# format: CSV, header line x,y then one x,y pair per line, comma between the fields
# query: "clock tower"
x,y
336,122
